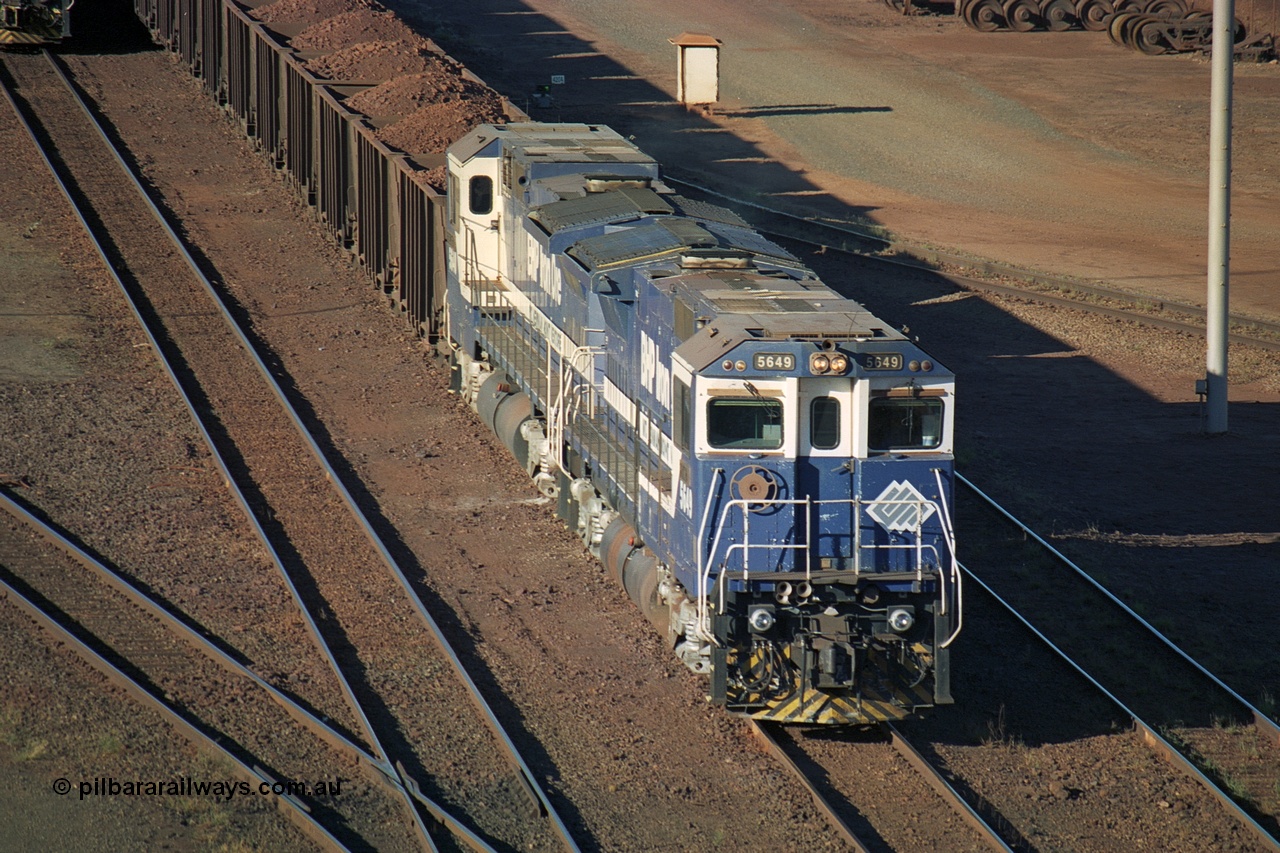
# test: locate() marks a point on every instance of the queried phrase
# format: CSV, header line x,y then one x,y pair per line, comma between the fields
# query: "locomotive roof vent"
x,y
827,338
805,337
715,259
618,205
604,183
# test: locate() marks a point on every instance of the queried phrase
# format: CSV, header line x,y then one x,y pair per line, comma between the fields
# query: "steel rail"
x,y
1260,719
175,623
945,790
398,779
526,775
1152,737
357,708
917,761
821,802
1114,313
227,477
293,808
874,246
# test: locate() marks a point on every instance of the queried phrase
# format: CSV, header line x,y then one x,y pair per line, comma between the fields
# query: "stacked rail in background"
x,y
363,191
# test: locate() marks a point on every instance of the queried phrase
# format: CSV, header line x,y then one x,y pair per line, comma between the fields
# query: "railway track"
x,y
204,689
992,277
354,594
251,775
879,791
1184,711
857,785
1205,736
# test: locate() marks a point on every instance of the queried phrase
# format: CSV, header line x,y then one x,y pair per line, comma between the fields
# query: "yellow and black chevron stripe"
x,y
30,35
808,705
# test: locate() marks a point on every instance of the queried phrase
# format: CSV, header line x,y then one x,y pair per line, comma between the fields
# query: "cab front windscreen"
x,y
742,423
904,424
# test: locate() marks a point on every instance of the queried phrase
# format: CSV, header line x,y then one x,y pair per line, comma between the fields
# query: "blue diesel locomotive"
x,y
763,464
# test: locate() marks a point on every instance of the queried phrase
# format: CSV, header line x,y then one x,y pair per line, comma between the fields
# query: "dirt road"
x,y
1059,152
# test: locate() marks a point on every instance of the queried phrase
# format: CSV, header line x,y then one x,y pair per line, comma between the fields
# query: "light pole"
x,y
1217,302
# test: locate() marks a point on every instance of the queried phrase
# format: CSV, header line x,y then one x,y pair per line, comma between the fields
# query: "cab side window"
x,y
680,415
480,195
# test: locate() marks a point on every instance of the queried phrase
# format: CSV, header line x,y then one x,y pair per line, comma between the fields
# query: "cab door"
x,y
824,468
477,227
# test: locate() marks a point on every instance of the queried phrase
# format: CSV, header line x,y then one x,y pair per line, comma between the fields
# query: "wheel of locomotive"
x,y
1149,37
1241,32
755,485
1058,15
985,16
1094,15
1022,16
1171,8
1118,21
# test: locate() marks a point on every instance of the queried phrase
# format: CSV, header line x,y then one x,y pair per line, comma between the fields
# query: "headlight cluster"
x,y
821,363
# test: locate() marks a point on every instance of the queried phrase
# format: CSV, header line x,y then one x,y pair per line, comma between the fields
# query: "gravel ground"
x,y
61,719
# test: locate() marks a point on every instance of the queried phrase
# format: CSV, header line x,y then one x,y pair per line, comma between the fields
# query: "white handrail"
x,y
949,534
556,416
706,558
704,627
746,546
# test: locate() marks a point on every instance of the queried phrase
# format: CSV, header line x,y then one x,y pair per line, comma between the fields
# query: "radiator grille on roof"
x,y
642,241
615,206
711,213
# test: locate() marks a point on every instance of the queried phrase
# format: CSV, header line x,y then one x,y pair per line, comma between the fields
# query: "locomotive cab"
x,y
474,227
826,573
